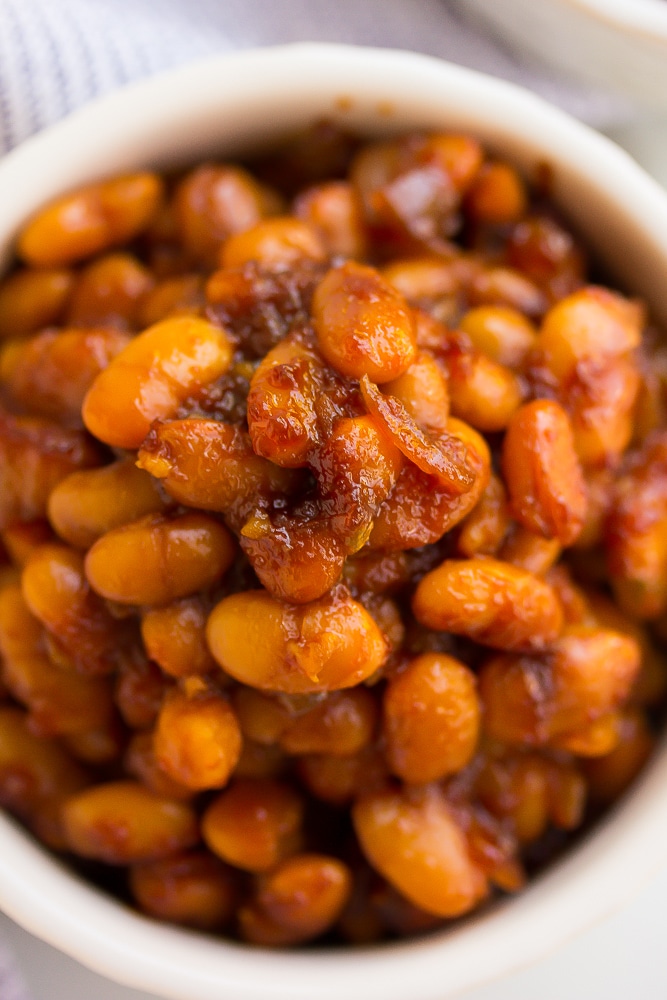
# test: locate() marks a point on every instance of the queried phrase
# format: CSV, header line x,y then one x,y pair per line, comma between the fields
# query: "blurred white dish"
x,y
617,44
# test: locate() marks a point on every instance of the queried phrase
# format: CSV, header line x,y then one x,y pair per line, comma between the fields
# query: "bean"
x,y
139,762
35,455
152,376
110,292
492,602
33,770
431,718
501,333
420,510
485,527
209,464
343,723
328,644
50,374
363,325
531,700
56,591
255,824
334,212
175,637
90,220
140,689
59,702
636,532
214,201
497,196
482,392
191,888
158,559
122,823
197,737
86,505
298,901
280,242
413,840
31,300
545,482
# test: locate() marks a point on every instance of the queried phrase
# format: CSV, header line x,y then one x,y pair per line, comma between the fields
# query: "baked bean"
x,y
330,643
443,456
298,901
50,374
544,479
183,294
584,347
214,201
484,528
59,702
636,532
90,220
431,718
363,325
197,737
102,745
56,591
339,780
33,770
258,760
421,280
175,637
497,195
262,718
333,211
31,300
86,505
530,551
193,888
343,723
149,379
279,242
609,775
501,333
505,286
411,837
158,559
209,464
21,539
422,390
139,762
121,823
441,452
35,455
588,673
255,824
420,509
110,292
482,392
140,690
492,602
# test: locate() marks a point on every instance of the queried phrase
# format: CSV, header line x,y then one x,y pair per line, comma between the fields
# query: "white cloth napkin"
x,y
57,54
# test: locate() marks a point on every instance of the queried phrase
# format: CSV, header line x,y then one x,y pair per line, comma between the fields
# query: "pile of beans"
x,y
333,509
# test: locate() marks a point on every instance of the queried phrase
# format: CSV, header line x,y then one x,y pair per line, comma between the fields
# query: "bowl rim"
x,y
47,900
645,18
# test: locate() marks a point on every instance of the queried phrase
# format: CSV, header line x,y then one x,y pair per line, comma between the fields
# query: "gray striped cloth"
x,y
57,54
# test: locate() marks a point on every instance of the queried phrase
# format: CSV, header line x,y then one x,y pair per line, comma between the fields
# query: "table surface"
x,y
623,956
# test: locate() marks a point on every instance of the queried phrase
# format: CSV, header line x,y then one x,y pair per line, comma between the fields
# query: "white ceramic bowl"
x,y
617,44
221,107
